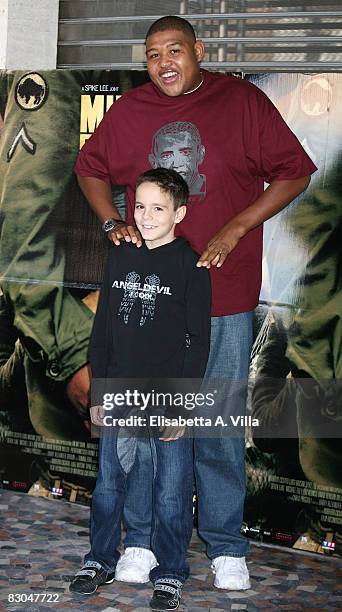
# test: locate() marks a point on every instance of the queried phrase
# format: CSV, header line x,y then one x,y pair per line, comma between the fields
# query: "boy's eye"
x,y
173,51
158,208
138,207
152,56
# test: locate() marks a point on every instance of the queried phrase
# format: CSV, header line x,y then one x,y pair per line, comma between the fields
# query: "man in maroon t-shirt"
x,y
227,139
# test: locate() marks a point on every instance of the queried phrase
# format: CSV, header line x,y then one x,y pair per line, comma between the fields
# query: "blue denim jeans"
x,y
153,469
220,461
137,515
172,508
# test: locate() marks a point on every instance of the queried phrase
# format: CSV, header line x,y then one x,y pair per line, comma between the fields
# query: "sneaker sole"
x,y
94,591
132,581
164,609
243,588
82,592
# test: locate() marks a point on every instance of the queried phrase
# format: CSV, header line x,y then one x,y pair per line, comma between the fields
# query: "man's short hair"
x,y
171,22
169,181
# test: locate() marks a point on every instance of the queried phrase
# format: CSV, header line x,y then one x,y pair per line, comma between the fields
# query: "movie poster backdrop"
x,y
52,253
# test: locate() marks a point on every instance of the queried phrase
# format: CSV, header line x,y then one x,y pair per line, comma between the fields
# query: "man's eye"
x,y
173,51
186,152
153,56
158,208
166,155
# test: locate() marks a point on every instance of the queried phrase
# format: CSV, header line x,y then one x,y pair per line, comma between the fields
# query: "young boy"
x,y
152,322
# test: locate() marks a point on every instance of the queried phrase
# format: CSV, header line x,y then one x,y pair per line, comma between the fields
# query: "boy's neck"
x,y
154,244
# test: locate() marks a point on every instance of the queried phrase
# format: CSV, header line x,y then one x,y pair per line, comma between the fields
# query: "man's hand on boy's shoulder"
x,y
172,433
124,232
221,245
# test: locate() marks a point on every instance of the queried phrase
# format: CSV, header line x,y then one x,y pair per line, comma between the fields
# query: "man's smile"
x,y
168,76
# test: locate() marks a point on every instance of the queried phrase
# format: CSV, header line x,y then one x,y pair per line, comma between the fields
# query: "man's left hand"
x,y
220,246
277,195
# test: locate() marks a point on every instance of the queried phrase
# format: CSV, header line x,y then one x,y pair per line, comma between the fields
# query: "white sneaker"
x,y
135,565
231,573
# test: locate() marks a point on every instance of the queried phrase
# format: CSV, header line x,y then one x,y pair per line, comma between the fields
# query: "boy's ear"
x,y
180,214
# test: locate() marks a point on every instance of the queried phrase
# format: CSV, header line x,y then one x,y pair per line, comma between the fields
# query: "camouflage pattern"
x,y
315,342
32,402
52,325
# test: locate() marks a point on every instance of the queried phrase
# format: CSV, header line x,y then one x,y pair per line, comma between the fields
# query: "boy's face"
x,y
155,215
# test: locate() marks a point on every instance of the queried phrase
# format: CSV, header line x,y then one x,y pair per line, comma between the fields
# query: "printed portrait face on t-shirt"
x,y
178,146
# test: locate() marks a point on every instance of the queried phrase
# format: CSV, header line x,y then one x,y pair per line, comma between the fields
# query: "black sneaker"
x,y
91,576
166,595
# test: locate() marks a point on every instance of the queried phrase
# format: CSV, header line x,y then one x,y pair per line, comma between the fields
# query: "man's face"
x,y
179,152
173,61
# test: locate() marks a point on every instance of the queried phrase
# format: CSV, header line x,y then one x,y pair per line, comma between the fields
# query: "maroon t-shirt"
x,y
226,138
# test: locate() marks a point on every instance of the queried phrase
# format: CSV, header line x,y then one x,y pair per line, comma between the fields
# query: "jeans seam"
x,y
176,575
144,546
228,554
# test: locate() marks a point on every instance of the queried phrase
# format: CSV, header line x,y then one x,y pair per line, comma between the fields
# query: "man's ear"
x,y
180,214
199,50
201,154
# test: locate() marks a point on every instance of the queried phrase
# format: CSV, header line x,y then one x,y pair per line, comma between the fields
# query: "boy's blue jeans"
x,y
170,466
219,462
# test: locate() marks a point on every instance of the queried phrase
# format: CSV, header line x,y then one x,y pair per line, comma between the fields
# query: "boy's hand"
x,y
171,433
97,414
128,233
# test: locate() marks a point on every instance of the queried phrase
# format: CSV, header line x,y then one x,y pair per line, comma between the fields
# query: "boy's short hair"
x,y
171,22
169,181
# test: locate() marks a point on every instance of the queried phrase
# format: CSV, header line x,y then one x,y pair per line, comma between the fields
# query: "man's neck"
x,y
197,86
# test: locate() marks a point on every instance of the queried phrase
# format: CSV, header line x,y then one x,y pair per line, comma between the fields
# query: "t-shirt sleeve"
x,y
280,154
93,158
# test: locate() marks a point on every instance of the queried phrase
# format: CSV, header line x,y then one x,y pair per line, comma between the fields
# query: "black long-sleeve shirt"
x,y
153,317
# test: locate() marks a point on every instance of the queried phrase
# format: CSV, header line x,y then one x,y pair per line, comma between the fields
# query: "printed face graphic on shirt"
x,y
178,146
146,293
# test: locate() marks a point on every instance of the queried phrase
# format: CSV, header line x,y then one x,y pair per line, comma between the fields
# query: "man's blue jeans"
x,y
219,462
165,467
